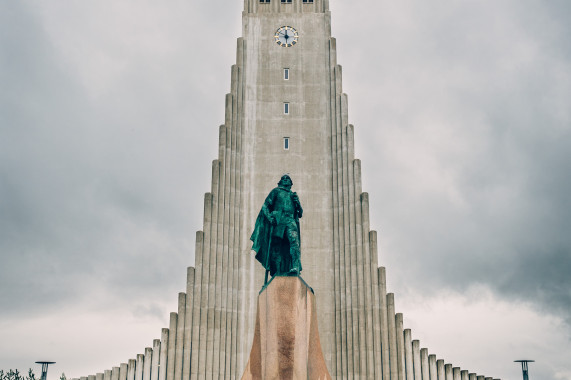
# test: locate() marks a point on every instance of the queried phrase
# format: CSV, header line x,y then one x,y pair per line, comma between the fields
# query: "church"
x,y
286,113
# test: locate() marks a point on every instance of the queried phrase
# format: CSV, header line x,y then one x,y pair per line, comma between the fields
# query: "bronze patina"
x,y
276,235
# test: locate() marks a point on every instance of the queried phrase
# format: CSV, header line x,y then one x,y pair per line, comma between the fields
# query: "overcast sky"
x,y
109,115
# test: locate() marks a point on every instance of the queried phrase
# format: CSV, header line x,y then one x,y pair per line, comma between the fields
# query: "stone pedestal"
x,y
286,339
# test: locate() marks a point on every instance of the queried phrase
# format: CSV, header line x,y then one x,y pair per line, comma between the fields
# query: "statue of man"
x,y
276,234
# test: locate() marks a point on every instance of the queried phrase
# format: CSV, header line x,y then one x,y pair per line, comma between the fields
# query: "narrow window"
x,y
286,1
286,143
264,1
308,1
286,108
286,74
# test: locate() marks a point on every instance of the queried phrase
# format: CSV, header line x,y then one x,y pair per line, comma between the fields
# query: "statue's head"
x,y
285,182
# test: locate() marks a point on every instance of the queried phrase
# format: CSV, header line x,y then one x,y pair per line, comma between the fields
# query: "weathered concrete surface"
x,y
286,338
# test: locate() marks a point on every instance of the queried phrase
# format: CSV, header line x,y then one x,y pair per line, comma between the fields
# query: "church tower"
x,y
286,113
291,117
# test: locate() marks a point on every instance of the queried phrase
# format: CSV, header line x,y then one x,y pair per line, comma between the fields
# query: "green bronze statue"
x,y
276,235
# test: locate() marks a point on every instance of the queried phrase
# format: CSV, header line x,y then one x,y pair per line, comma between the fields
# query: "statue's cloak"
x,y
261,239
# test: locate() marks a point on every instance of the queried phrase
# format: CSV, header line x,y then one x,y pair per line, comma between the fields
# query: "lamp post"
x,y
45,369
524,367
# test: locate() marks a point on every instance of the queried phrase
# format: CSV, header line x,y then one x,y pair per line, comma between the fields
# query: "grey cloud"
x,y
108,125
487,86
96,191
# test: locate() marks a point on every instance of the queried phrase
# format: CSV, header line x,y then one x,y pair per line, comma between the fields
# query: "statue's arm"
x,y
298,208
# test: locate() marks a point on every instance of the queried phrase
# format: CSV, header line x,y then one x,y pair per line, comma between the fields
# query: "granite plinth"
x,y
286,342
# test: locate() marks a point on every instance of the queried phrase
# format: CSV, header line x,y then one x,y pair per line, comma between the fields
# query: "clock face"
x,y
286,36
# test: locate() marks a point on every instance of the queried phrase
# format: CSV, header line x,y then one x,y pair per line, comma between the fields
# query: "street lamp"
x,y
45,369
524,367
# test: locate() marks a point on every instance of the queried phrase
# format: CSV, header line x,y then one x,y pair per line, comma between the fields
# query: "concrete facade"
x,y
362,336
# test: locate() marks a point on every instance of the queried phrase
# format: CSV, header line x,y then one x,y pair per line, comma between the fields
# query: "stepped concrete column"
x,y
424,364
440,369
408,355
188,323
131,368
140,364
171,356
155,361
448,372
432,367
286,338
400,345
385,346
163,359
123,371
99,376
393,352
148,362
472,376
179,350
416,360
456,373
464,375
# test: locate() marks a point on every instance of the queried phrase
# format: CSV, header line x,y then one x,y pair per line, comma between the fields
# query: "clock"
x,y
286,36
